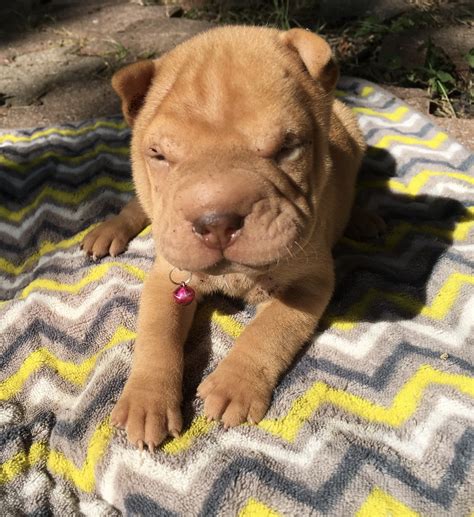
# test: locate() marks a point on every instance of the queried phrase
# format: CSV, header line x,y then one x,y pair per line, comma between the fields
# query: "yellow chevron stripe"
x,y
74,160
394,116
10,137
381,504
74,373
432,143
416,183
403,406
459,233
48,246
230,326
365,92
22,461
440,305
287,427
63,197
45,248
78,373
199,427
254,508
94,275
83,477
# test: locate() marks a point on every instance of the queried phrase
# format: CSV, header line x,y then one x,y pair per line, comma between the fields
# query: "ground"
x,y
57,57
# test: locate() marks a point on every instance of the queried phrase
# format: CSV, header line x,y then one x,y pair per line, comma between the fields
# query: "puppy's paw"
x,y
233,397
109,238
364,224
149,413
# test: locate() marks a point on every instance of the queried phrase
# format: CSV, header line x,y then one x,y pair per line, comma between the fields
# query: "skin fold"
x,y
245,165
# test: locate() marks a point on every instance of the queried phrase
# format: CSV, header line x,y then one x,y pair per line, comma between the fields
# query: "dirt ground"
x,y
56,61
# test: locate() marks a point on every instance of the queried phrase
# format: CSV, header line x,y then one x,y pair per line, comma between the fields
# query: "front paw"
x,y
235,395
149,412
109,238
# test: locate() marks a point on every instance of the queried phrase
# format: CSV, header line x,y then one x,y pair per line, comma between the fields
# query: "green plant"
x,y
470,58
120,52
281,13
437,74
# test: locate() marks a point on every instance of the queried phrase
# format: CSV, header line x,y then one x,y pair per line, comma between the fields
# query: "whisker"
x,y
289,252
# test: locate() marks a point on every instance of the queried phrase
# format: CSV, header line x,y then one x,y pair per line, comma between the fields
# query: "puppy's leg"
x,y
364,224
241,387
112,236
149,408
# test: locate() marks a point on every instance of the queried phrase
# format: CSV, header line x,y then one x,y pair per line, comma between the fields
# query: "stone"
x,y
29,77
61,71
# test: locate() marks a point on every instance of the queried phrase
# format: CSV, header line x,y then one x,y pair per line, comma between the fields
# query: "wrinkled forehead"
x,y
233,93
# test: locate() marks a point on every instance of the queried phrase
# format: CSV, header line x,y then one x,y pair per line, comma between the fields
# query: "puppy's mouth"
x,y
262,242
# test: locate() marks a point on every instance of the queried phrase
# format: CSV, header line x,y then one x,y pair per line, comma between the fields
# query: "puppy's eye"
x,y
157,154
289,152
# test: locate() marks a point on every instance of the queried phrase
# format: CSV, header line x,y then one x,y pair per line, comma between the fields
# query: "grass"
x,y
357,44
273,13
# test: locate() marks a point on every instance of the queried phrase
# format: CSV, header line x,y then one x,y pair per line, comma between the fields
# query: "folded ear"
x,y
131,83
316,55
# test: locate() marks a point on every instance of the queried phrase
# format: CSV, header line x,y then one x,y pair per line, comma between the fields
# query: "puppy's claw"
x,y
174,433
116,423
140,445
151,447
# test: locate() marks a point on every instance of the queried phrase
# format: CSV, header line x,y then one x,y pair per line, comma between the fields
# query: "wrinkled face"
x,y
228,158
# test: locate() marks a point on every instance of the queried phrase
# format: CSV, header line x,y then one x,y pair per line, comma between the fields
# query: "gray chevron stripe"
x,y
68,268
326,496
111,191
78,346
24,237
114,161
421,132
65,182
464,166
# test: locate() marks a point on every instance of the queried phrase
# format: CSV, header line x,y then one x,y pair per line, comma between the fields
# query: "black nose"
x,y
218,231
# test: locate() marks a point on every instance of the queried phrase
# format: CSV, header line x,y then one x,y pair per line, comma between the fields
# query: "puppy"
x,y
245,166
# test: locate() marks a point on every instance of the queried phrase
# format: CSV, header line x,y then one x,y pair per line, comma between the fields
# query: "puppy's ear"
x,y
131,83
316,55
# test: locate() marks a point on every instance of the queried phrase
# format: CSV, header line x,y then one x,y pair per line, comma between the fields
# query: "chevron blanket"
x,y
375,418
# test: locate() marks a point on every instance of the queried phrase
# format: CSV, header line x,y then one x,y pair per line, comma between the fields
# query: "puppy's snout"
x,y
218,231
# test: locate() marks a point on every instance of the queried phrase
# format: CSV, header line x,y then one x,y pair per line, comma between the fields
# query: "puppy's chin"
x,y
215,262
226,267
222,266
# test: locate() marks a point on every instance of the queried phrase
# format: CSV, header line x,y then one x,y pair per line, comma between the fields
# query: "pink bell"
x,y
184,294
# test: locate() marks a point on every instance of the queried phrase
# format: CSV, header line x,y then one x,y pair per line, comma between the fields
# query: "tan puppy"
x,y
245,165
